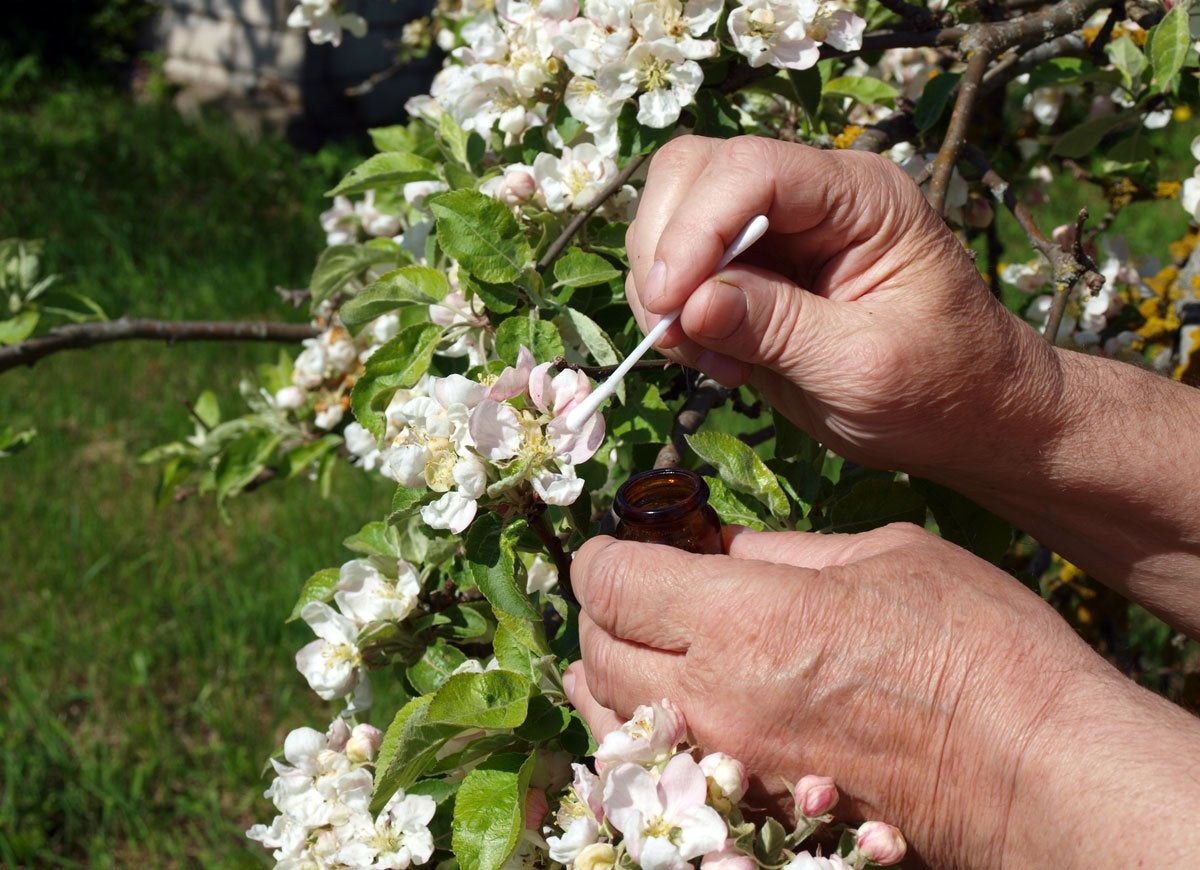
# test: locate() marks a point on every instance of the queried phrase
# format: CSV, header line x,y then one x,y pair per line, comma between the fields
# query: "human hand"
x,y
915,674
859,315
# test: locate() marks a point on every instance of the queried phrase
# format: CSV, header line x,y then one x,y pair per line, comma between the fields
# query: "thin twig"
x,y
956,132
183,493
81,335
1070,267
601,372
707,395
568,233
917,17
537,524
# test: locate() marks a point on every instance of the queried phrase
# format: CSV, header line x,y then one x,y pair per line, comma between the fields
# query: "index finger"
x,y
663,597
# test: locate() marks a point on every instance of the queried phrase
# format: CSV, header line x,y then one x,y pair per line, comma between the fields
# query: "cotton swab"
x,y
750,233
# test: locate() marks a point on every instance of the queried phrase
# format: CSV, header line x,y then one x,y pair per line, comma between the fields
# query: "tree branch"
x,y
707,395
568,233
537,524
83,335
599,373
956,132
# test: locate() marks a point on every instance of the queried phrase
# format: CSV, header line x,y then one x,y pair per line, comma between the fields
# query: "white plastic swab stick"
x,y
751,233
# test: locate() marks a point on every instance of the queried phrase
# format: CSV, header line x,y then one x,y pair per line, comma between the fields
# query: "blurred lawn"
x,y
147,670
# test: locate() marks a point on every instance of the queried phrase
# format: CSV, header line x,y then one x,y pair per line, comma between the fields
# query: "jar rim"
x,y
691,488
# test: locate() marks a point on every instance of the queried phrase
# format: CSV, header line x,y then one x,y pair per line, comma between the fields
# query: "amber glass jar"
x,y
668,506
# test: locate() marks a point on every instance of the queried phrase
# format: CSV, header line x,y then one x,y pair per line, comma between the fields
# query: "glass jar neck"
x,y
661,495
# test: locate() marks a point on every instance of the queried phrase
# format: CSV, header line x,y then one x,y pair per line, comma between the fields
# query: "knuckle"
x,y
904,534
745,151
675,155
606,562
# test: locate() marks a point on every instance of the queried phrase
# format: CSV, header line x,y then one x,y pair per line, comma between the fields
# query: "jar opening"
x,y
660,495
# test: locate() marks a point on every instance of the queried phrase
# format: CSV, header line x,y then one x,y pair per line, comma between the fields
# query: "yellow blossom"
x,y
846,138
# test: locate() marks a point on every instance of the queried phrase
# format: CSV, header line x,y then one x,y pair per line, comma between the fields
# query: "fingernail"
x,y
568,682
656,285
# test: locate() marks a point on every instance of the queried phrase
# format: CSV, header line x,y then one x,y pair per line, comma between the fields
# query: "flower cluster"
x,y
323,793
464,439
366,597
653,805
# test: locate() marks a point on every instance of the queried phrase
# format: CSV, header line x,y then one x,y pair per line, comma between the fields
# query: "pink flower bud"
x,y
518,186
364,742
815,796
337,735
881,843
536,808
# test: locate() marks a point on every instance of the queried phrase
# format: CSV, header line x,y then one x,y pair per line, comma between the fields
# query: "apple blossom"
x,y
398,838
881,843
815,796
324,22
572,180
771,32
332,664
579,816
598,856
805,861
365,595
665,823
666,79
363,743
649,737
726,776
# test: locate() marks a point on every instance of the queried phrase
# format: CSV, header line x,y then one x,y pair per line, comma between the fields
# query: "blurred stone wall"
x,y
241,56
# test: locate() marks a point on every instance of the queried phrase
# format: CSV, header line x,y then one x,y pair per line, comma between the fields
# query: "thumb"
x,y
756,317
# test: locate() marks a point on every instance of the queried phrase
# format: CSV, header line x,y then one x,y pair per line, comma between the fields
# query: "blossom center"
x,y
655,73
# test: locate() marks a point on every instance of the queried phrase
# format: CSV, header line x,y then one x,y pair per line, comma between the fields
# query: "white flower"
x,y
574,179
340,222
650,735
466,326
1189,196
668,81
331,663
824,23
365,595
287,836
1027,277
324,22
399,838
579,814
1045,104
362,444
594,106
541,576
727,774
329,416
666,823
1157,120
770,32
679,23
290,398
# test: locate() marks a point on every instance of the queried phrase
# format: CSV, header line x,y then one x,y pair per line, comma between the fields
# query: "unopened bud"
x,y
881,843
815,796
978,213
337,735
598,856
517,187
728,857
364,742
727,774
289,398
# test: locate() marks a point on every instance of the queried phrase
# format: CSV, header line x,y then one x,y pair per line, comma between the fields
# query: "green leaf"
x,y
864,89
741,469
397,137
545,720
431,671
540,336
405,500
574,325
932,102
731,509
17,329
481,234
497,298
792,442
15,440
873,503
491,556
301,458
410,747
715,115
1128,59
318,587
243,460
342,263
383,171
1168,48
965,523
493,700
207,409
806,85
407,285
489,812
634,138
375,539
397,364
578,268
1083,139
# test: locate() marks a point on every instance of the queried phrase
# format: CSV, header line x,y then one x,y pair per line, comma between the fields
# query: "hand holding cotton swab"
x,y
751,233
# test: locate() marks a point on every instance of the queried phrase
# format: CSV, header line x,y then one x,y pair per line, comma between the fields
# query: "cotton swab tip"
x,y
581,413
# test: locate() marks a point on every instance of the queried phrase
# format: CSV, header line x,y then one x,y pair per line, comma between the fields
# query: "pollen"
x,y
847,137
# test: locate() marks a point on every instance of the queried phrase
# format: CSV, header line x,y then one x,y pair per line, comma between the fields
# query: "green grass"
x,y
147,670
